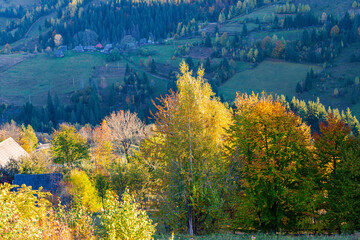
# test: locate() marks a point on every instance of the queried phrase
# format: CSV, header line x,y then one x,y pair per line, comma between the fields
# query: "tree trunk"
x,y
191,230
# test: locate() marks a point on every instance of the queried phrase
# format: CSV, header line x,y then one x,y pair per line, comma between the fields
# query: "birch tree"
x,y
191,124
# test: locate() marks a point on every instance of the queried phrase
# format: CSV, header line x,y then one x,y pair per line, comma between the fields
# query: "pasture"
x,y
334,6
271,76
261,14
34,77
30,77
235,27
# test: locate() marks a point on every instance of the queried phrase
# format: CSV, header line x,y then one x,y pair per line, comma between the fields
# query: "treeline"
x,y
115,19
16,29
204,167
156,20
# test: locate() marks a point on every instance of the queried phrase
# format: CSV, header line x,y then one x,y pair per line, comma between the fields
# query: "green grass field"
x,y
162,53
235,27
37,75
270,76
329,6
256,236
260,13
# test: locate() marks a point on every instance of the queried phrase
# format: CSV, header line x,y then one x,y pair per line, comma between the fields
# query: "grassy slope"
x,y
341,71
329,6
235,27
268,10
15,3
270,76
37,75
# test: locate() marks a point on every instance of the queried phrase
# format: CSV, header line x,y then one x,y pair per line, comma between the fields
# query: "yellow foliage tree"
x,y
83,191
190,128
26,214
102,150
28,139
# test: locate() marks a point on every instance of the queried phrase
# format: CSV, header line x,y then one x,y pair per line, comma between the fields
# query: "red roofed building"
x,y
99,46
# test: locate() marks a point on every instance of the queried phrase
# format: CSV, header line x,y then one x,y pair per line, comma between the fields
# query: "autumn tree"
x,y
69,147
27,213
330,144
278,50
28,139
271,149
189,133
58,40
10,130
127,130
83,192
102,149
335,31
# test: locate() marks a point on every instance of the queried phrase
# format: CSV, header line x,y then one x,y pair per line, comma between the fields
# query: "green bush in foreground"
x,y
125,220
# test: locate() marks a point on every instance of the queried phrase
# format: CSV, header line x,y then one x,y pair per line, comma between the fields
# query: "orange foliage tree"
x,y
271,148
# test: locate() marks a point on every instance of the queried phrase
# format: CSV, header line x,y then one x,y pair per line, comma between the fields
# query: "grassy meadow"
x,y
41,73
30,77
270,76
259,13
256,236
235,27
329,6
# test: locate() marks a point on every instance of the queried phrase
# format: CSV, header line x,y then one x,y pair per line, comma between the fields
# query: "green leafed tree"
x,y
125,219
69,147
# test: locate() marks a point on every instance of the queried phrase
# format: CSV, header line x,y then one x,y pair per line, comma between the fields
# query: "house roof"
x,y
50,182
10,149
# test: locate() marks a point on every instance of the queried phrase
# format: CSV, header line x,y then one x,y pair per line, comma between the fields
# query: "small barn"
x,y
10,150
49,182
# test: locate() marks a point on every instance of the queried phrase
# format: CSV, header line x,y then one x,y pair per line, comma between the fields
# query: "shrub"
x,y
83,192
125,220
27,214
